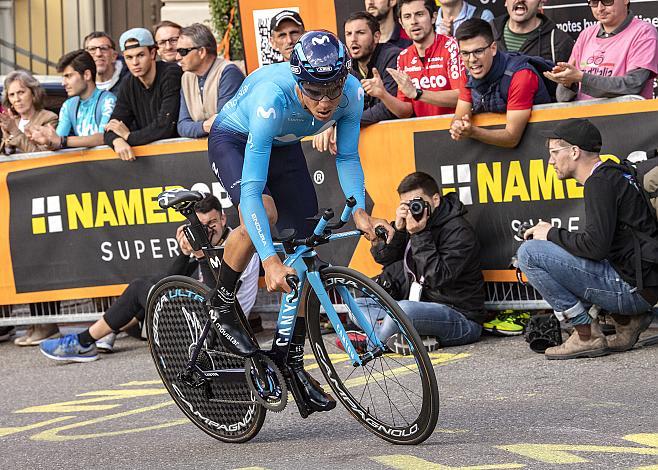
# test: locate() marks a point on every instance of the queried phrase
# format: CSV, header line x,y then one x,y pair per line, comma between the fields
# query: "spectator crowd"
x,y
413,59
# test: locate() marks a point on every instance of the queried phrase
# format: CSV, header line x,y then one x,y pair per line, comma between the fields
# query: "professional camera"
x,y
417,207
520,232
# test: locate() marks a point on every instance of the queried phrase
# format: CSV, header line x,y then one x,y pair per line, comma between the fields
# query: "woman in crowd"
x,y
22,102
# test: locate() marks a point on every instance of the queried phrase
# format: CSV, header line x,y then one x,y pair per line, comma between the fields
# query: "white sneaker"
x,y
106,343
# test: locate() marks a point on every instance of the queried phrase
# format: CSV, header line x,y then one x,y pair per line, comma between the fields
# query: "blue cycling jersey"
x,y
266,109
90,117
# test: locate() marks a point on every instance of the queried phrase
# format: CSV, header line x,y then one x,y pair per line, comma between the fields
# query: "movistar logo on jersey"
x,y
266,114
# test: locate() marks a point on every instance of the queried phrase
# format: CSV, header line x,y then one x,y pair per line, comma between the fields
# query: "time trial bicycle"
x,y
226,395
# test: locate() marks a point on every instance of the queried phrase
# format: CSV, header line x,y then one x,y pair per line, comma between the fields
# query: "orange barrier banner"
x,y
83,224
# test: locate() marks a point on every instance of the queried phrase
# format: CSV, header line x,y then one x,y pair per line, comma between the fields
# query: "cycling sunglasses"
x,y
595,3
183,51
317,92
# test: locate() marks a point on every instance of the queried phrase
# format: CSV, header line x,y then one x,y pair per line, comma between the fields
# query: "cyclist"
x,y
255,151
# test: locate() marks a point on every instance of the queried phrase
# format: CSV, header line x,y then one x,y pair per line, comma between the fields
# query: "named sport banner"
x,y
84,223
81,224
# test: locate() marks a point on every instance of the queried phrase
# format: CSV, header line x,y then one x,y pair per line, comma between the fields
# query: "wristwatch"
x,y
63,142
419,93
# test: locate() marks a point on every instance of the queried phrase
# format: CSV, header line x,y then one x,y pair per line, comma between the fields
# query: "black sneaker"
x,y
6,332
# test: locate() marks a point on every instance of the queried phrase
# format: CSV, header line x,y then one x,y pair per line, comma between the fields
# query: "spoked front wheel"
x,y
394,396
222,406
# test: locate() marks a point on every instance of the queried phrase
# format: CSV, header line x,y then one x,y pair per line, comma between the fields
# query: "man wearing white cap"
x,y
149,99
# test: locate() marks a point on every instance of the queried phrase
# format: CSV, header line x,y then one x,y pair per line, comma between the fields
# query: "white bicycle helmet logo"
x,y
321,40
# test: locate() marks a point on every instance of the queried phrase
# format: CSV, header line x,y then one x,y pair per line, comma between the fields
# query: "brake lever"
x,y
293,281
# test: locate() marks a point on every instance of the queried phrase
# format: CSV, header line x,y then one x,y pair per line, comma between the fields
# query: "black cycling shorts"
x,y
288,179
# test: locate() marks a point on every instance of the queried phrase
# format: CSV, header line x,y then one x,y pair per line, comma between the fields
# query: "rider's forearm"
x,y
255,218
351,178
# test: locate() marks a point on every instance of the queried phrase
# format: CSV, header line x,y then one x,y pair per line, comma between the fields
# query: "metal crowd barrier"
x,y
500,296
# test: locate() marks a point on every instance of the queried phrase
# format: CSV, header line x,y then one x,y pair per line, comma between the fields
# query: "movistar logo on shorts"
x,y
46,209
266,114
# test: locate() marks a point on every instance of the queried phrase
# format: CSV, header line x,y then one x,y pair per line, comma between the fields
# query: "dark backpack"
x,y
539,64
644,177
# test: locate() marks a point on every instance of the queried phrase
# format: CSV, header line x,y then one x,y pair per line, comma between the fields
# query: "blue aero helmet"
x,y
320,61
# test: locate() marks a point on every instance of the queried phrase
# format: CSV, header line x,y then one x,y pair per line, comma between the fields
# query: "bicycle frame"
x,y
304,260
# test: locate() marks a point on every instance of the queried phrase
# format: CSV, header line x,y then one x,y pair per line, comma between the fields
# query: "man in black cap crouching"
x,y
601,265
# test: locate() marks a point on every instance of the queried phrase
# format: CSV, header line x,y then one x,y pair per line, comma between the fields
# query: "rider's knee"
x,y
270,210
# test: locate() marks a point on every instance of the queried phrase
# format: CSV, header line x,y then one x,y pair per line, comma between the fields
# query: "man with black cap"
x,y
600,265
285,28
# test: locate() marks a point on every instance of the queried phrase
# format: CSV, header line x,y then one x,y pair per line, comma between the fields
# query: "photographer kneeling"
x,y
604,265
432,267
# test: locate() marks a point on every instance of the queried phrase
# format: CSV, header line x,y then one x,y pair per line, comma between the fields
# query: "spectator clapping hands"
x,y
565,74
461,128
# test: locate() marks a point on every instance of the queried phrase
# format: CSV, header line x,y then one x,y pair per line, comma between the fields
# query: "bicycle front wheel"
x,y
223,408
396,397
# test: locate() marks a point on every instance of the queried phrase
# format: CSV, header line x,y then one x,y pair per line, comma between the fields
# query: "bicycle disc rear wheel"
x,y
395,397
176,315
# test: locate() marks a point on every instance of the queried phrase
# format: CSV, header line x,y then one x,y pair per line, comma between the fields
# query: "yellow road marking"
x,y
94,404
563,454
13,430
398,371
103,395
135,383
409,462
650,440
54,433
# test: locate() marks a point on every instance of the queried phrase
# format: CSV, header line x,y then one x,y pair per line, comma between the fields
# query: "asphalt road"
x,y
502,406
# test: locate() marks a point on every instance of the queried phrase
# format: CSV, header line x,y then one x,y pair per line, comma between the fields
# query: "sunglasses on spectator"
x,y
317,92
172,41
183,51
477,53
103,49
595,3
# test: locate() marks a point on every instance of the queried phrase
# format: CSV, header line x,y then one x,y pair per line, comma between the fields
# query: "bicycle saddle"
x,y
178,198
285,235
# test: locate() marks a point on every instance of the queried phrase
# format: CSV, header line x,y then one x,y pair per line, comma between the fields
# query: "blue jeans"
x,y
449,326
571,284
